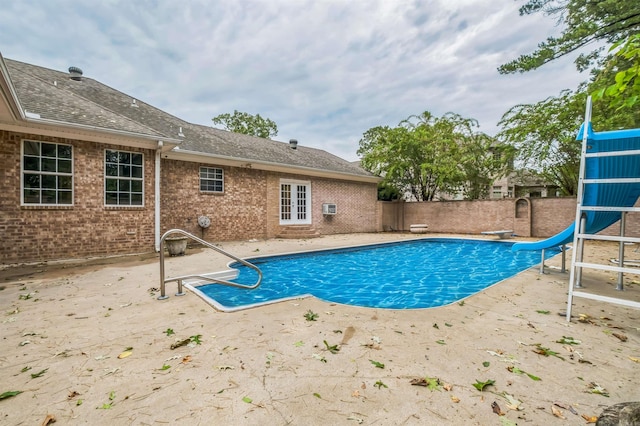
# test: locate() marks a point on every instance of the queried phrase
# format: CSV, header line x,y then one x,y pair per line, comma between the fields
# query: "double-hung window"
x,y
211,179
123,178
47,173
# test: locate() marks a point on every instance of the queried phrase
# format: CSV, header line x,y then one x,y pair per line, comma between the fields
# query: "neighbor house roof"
x,y
54,97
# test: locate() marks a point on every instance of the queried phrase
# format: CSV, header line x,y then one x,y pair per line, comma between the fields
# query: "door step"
x,y
298,231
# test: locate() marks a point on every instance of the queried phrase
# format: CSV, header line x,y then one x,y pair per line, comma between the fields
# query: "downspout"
x,y
157,197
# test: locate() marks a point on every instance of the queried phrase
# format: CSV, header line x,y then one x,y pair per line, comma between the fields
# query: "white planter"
x,y
177,246
418,228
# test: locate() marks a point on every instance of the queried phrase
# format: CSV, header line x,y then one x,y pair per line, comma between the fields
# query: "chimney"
x,y
293,144
75,73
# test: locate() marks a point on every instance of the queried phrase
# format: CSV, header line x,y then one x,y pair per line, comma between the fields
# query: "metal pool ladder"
x,y
179,279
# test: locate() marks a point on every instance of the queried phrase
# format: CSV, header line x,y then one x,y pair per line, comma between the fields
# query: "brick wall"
x,y
548,216
551,215
88,228
355,204
466,217
237,213
248,207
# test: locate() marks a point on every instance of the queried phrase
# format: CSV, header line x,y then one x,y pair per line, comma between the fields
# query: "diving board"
x,y
502,234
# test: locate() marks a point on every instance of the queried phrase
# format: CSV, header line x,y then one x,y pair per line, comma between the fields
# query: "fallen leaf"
x,y
634,359
590,419
39,373
225,367
48,420
556,412
620,336
432,383
448,387
597,389
455,399
124,354
355,393
481,385
247,400
181,343
377,364
568,340
546,351
512,402
496,408
186,359
9,394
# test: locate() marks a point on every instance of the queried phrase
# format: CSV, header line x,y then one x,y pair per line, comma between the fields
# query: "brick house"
x,y
86,170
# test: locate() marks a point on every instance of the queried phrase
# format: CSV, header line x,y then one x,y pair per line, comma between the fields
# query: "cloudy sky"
x,y
325,71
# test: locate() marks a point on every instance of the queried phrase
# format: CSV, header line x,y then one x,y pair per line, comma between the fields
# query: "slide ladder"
x,y
608,189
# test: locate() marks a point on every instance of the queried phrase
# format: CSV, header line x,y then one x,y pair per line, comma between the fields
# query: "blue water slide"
x,y
602,194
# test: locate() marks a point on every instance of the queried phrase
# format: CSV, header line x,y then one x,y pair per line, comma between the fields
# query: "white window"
x,y
211,179
47,173
123,178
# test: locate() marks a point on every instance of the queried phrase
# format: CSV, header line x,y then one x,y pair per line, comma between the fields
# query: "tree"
x,y
245,123
624,91
425,156
585,22
544,134
388,192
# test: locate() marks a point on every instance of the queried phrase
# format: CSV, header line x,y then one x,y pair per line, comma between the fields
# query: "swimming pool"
x,y
411,274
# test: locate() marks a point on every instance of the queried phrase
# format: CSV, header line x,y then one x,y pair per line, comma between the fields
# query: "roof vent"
x,y
75,73
293,144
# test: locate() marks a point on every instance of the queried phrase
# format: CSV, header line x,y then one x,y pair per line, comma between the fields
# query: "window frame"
x,y
123,181
47,173
213,180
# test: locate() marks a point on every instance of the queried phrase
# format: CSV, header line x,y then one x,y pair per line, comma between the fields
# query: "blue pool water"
x,y
404,275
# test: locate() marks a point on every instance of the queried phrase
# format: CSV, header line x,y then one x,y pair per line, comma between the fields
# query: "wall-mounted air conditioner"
x,y
328,208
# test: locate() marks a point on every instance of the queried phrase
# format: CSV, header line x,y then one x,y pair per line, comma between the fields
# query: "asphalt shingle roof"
x,y
53,95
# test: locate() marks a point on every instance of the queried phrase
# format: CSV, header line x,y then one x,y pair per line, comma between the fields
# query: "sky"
x,y
325,71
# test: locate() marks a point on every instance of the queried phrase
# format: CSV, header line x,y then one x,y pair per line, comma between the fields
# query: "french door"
x,y
295,202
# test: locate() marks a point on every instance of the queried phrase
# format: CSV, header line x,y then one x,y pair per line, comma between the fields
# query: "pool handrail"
x,y
179,279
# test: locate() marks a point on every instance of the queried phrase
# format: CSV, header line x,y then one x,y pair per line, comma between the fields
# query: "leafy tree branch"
x,y
248,124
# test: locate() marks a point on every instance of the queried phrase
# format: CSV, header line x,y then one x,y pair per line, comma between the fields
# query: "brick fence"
x,y
527,217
